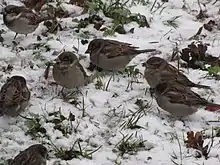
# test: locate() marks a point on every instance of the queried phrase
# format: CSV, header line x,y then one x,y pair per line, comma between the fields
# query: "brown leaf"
x,y
195,140
199,139
196,56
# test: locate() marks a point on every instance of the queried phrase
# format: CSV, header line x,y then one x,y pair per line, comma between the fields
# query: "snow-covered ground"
x,y
106,110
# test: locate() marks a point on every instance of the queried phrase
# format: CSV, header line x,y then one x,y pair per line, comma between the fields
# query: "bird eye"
x,y
11,11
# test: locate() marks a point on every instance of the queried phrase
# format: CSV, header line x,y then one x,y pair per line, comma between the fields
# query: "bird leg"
x,y
15,35
152,91
113,76
62,92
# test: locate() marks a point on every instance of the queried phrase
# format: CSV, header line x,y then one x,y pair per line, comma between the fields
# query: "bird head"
x,y
8,9
17,79
66,59
154,63
94,45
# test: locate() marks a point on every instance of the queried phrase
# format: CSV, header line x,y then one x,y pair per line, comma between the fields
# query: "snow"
x,y
105,111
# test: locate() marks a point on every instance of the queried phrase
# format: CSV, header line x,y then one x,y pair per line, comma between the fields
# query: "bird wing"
x,y
81,68
112,48
180,76
182,95
120,50
28,158
12,93
23,11
170,73
114,42
27,14
22,158
36,159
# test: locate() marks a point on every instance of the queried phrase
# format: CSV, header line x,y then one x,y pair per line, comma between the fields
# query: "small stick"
x,y
46,72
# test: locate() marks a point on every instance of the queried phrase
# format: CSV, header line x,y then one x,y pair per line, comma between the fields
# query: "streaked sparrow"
x,y
112,55
20,19
68,72
14,96
158,70
179,100
34,155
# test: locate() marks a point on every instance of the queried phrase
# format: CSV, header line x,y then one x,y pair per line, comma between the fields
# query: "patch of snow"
x,y
106,110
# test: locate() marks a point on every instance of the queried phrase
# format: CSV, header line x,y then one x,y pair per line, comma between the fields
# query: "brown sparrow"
x,y
68,72
14,96
34,155
179,100
112,55
157,70
20,19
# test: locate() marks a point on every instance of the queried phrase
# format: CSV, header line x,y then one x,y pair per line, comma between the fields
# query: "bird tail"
x,y
203,86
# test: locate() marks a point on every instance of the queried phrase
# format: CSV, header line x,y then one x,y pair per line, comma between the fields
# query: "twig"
x,y
153,5
214,121
215,2
27,118
199,5
158,8
212,142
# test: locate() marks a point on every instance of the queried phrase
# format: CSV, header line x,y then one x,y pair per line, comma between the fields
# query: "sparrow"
x,y
112,55
179,100
34,4
20,19
14,96
34,155
68,72
158,70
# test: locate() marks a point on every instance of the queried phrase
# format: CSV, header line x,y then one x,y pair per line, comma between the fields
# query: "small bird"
x,y
20,19
14,96
68,72
112,55
179,100
34,155
158,70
